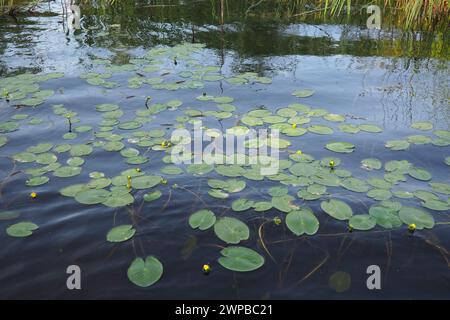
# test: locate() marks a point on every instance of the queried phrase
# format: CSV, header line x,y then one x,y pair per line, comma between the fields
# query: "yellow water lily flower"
x,y
412,227
206,268
33,195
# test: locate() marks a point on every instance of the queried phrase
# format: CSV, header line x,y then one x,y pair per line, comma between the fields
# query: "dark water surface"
x,y
385,78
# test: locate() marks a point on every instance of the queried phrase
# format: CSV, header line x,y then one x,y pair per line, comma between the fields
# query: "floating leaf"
x,y
21,229
240,259
436,205
397,145
440,187
302,221
231,230
145,182
242,205
337,209
320,129
284,203
303,93
152,196
121,233
262,206
420,174
355,185
40,148
92,196
67,171
203,220
340,147
370,128
424,126
362,222
385,217
171,170
145,273
37,181
8,215
371,164
421,219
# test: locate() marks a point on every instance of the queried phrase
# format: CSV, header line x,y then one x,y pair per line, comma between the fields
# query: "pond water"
x,y
85,118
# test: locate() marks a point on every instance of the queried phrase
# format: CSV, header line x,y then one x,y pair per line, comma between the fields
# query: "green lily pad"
x,y
40,148
370,128
349,128
121,233
145,182
81,150
362,222
242,205
355,185
145,273
420,174
420,218
385,217
240,259
8,215
172,170
436,205
152,196
371,164
203,220
130,125
320,129
118,199
337,209
424,126
92,196
37,181
340,147
443,188
302,221
262,206
303,93
21,229
67,171
397,145
284,203
231,230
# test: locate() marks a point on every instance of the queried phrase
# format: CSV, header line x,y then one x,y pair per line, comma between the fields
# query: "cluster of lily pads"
x,y
300,179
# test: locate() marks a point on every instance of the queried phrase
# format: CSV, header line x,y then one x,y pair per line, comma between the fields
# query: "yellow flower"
x,y
33,195
412,227
206,268
350,228
332,164
277,221
299,152
294,125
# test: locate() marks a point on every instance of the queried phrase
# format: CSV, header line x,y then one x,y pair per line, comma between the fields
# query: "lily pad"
x,y
240,259
121,233
203,220
145,273
231,230
397,145
37,181
67,171
420,174
92,196
302,221
21,229
303,93
145,182
242,205
422,219
362,222
340,147
424,126
371,164
337,209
